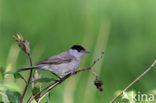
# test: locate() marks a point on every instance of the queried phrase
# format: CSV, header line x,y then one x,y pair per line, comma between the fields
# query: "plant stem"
x,y
30,74
134,81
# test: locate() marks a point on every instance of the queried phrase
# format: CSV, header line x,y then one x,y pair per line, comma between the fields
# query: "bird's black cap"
x,y
78,48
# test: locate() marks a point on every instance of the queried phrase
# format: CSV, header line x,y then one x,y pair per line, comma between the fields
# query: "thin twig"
x,y
30,98
50,87
134,81
30,74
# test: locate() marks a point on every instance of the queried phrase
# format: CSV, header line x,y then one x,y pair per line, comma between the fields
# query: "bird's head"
x,y
77,51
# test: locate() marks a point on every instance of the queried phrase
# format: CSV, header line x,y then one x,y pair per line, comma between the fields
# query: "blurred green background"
x,y
124,29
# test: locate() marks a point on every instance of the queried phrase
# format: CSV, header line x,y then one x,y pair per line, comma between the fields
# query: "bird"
x,y
63,63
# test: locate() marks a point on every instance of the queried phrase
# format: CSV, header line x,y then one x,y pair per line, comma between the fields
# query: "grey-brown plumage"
x,y
61,58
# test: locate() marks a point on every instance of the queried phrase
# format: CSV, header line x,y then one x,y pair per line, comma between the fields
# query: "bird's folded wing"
x,y
55,61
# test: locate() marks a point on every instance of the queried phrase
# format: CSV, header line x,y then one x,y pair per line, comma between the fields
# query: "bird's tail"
x,y
27,68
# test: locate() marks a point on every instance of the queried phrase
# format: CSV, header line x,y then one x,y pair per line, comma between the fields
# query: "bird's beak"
x,y
86,52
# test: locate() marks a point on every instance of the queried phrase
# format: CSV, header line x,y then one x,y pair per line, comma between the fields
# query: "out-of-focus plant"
x,y
10,91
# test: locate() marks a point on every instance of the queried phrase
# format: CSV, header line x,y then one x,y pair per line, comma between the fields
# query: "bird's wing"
x,y
59,59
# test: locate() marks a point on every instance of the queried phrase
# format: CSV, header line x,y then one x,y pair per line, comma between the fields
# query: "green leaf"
x,y
43,80
35,91
37,86
13,96
16,75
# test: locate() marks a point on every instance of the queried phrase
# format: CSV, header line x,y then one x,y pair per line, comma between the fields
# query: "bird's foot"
x,y
73,73
60,79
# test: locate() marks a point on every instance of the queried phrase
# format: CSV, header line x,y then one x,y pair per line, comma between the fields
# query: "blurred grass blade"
x,y
1,74
90,92
48,98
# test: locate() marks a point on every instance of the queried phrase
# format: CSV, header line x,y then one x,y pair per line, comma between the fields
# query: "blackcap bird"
x,y
62,63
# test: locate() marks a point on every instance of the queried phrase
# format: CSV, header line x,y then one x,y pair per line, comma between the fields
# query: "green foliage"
x,y
13,96
44,80
15,74
36,91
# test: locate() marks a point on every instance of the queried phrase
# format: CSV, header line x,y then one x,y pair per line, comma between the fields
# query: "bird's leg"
x,y
73,72
59,77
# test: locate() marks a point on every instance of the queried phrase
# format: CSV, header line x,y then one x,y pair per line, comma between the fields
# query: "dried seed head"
x,y
98,84
23,43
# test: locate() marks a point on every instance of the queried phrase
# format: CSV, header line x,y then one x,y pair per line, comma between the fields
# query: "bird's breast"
x,y
64,68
